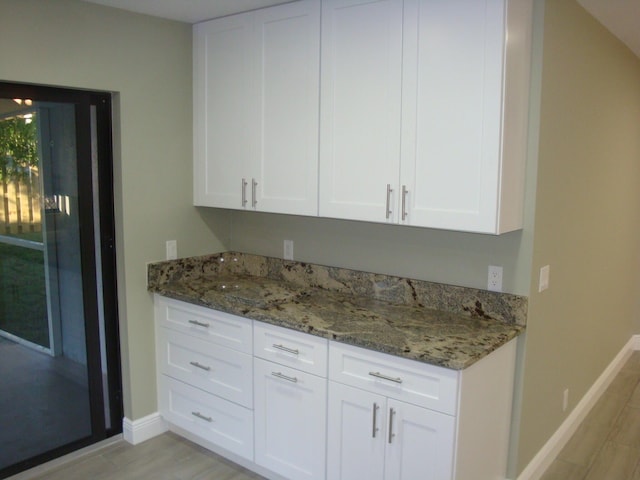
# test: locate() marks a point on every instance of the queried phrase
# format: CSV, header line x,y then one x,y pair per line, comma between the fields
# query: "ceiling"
x,y
621,17
190,11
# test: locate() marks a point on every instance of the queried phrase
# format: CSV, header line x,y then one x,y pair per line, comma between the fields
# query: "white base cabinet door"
x,y
420,443
290,421
377,438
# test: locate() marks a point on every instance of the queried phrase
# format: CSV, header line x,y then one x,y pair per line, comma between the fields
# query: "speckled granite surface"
x,y
439,324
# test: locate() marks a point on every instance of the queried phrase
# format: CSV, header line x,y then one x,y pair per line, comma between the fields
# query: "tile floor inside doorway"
x,y
44,403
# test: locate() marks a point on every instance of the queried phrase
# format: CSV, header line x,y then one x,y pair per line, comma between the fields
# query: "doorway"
x,y
60,386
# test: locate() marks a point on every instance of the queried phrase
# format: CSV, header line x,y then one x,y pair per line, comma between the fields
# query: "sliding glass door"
x,y
59,363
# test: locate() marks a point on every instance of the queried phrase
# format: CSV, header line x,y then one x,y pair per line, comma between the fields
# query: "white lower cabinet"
x,y
391,418
290,421
377,438
304,408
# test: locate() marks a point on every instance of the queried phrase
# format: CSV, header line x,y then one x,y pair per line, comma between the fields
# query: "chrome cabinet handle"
x,y
200,366
244,192
375,414
199,324
389,190
202,417
385,377
254,184
286,349
284,377
404,202
391,434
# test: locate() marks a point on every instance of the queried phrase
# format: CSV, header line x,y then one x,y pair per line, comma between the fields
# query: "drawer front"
x,y
293,349
217,327
211,418
216,369
413,382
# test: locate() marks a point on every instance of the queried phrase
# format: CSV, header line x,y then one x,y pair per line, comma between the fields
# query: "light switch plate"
x,y
543,284
172,249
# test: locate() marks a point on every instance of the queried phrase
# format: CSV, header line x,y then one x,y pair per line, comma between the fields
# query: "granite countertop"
x,y
357,308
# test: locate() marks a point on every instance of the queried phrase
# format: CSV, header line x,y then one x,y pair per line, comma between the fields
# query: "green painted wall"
x,y
587,220
147,61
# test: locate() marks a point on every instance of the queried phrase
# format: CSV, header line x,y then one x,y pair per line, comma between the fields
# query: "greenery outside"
x,y
23,308
23,302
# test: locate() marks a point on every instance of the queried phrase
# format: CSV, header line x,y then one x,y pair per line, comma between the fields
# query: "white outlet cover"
x,y
494,279
288,249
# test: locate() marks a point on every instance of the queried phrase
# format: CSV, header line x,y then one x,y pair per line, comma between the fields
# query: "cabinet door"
x,y
290,421
452,107
420,443
286,165
360,108
223,101
356,431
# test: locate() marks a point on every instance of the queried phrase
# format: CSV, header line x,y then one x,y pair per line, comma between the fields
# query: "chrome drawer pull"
x,y
375,413
284,377
200,366
404,202
391,434
286,349
202,417
254,200
389,190
385,377
199,324
244,192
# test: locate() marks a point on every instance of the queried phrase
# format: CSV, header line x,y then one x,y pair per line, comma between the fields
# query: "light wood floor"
x,y
165,457
606,446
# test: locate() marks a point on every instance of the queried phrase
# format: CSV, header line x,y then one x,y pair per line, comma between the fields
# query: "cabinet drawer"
x,y
217,327
213,419
293,349
216,369
414,382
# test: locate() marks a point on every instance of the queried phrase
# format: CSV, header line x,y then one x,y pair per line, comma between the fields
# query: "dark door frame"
x,y
84,102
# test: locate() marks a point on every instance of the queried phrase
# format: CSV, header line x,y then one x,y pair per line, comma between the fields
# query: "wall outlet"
x,y
565,399
288,249
172,249
494,282
543,283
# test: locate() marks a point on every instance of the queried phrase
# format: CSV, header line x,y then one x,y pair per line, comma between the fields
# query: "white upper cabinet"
x,y
360,107
423,112
465,106
256,84
411,112
223,79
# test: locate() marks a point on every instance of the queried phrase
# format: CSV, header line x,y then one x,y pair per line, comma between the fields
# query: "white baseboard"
x,y
548,453
137,431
